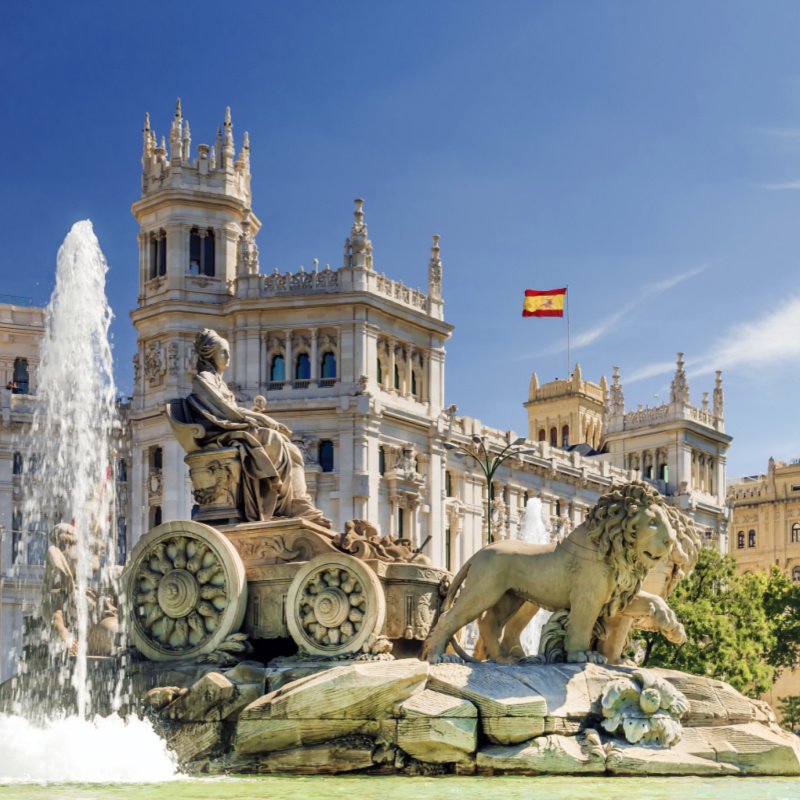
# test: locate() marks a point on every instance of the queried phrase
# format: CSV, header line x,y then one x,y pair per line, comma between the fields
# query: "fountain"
x,y
70,668
534,530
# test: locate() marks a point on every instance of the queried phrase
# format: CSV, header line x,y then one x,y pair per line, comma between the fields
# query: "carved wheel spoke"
x,y
335,604
188,589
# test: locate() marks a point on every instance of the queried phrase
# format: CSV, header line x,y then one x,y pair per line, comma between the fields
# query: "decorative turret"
x,y
534,385
679,388
187,143
247,251
616,399
577,375
228,151
435,271
719,399
358,248
176,136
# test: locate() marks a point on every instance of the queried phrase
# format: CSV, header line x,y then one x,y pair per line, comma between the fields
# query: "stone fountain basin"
x,y
409,717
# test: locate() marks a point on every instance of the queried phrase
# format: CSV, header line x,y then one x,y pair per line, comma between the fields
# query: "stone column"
x,y
289,362
391,345
409,370
314,357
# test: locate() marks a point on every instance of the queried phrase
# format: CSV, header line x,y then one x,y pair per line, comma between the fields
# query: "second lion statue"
x,y
596,573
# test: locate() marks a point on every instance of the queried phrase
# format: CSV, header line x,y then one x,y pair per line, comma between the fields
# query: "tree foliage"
x,y
789,710
730,635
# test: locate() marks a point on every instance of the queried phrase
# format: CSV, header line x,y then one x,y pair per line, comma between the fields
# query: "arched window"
x,y
379,372
16,467
122,471
796,574
740,540
751,538
796,532
414,390
302,367
396,377
201,252
382,460
326,455
648,472
663,473
158,458
448,548
328,366
553,437
565,436
277,369
558,508
542,435
155,516
401,519
21,378
448,483
158,253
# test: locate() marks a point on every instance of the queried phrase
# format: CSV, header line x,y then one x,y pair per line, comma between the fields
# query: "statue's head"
x,y
213,352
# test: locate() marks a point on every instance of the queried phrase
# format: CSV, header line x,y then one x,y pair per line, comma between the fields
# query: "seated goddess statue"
x,y
273,476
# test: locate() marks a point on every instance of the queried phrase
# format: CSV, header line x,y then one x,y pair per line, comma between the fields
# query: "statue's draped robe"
x,y
272,467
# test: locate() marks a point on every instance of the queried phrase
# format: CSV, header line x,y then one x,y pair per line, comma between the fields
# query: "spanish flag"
x,y
540,303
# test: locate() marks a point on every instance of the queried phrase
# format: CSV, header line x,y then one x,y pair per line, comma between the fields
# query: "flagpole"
x,y
567,304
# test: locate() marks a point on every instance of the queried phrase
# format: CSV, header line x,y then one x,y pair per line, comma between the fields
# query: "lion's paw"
x,y
585,657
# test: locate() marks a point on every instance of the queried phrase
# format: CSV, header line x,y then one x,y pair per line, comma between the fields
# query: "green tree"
x,y
729,635
789,710
782,604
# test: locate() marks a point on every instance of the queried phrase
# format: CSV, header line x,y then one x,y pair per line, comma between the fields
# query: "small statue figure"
x,y
272,477
59,596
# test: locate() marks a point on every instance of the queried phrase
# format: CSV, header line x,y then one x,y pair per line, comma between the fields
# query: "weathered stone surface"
x,y
553,754
268,735
435,704
755,748
563,686
438,740
633,760
322,759
192,740
362,690
509,711
713,702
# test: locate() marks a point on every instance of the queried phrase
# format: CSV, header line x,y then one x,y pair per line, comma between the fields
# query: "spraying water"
x,y
534,530
54,733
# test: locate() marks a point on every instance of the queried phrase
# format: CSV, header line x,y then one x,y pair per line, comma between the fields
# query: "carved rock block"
x,y
362,690
338,702
190,741
510,711
327,759
755,748
552,754
437,728
214,697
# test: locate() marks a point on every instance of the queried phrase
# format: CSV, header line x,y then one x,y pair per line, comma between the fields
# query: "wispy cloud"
x,y
782,187
611,321
771,341
782,133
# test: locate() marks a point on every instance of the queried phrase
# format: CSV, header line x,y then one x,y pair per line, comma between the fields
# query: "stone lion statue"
x,y
611,635
596,573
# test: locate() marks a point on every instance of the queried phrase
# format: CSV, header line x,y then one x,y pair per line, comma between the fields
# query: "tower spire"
x,y
227,142
187,143
616,399
148,139
435,270
176,135
719,398
679,388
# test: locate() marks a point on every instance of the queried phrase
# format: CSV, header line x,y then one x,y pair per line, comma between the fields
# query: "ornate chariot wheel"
x,y
334,604
186,590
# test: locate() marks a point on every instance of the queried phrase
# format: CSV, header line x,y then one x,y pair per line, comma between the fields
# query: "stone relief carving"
x,y
154,363
173,358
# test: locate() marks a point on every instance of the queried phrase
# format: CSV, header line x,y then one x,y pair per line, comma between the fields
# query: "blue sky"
x,y
646,154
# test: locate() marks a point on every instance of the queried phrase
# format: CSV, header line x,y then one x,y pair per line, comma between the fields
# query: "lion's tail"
x,y
448,602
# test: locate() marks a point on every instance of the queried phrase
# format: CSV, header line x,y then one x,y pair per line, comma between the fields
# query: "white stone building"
x,y
351,360
21,556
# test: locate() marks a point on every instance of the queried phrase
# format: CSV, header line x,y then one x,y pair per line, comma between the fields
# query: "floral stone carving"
x,y
644,708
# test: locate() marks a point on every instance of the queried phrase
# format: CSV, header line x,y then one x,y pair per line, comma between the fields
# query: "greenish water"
x,y
445,788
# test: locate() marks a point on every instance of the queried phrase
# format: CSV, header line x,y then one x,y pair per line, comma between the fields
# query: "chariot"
x,y
192,585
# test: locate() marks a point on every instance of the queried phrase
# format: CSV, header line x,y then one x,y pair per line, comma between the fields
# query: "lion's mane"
x,y
610,528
